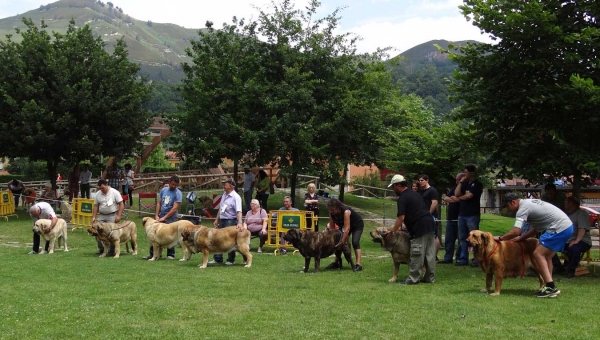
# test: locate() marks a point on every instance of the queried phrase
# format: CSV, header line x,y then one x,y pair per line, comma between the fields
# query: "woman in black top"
x,y
350,222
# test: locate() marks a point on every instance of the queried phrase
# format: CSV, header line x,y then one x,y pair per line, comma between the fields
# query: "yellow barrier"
x,y
82,212
284,221
7,204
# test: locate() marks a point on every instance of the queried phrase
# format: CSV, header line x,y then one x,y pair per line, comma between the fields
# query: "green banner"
x,y
5,197
290,222
86,207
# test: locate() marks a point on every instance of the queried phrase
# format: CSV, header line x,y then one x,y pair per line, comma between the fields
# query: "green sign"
x,y
86,207
290,222
5,197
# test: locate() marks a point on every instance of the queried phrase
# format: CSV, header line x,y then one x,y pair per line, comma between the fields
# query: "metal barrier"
x,y
283,221
82,213
7,204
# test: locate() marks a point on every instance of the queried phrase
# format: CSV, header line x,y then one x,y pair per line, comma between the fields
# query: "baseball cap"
x,y
229,180
396,179
511,196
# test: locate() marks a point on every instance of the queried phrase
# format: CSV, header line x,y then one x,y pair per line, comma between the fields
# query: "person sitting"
x,y
580,240
287,205
256,222
16,187
49,196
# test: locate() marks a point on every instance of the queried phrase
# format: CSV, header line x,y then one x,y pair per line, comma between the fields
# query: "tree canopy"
x,y
65,99
533,96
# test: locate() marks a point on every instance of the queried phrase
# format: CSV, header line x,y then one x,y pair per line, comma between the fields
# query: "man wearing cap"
x,y
108,207
417,218
545,218
229,214
167,211
249,181
468,192
42,210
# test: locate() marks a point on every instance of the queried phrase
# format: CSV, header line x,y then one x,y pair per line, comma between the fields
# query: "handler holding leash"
x,y
351,222
230,214
42,210
108,207
415,215
545,218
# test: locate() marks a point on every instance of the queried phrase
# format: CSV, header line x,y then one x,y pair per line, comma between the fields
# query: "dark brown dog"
x,y
502,259
398,246
197,238
319,245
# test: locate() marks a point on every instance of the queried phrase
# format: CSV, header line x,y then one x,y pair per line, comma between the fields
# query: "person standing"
x,y
452,223
41,210
16,187
229,214
114,174
85,177
351,223
416,216
468,191
311,203
249,181
167,211
553,196
128,176
262,188
431,199
74,183
108,207
545,218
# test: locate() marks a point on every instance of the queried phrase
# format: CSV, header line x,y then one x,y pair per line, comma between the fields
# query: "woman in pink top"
x,y
256,222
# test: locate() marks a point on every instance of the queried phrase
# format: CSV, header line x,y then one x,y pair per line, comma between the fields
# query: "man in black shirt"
x,y
468,192
417,218
452,223
431,199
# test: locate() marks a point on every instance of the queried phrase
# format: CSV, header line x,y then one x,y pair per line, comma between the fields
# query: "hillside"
x,y
159,48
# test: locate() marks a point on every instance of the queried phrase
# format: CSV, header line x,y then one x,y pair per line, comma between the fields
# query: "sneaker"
x,y
229,263
357,268
32,252
333,265
423,281
170,257
43,252
147,257
570,275
461,264
259,250
547,292
445,262
283,251
214,262
408,282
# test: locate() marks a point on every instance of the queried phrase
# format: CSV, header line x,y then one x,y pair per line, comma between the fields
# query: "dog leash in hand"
x,y
341,237
126,225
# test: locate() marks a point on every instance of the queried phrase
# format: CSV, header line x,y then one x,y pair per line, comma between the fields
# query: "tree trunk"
x,y
293,180
343,182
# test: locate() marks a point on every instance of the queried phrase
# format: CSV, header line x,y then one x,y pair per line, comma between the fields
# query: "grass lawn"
x,y
78,295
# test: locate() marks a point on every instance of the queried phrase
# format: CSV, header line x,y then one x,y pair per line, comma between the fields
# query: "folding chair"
x,y
146,205
125,214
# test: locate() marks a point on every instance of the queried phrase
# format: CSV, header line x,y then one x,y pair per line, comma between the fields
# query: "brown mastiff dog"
x,y
165,235
115,234
502,259
200,239
398,246
319,245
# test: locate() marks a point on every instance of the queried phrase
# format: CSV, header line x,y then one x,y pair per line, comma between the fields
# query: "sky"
x,y
400,24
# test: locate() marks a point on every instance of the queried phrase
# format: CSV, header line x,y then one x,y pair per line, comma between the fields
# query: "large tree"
x,y
533,96
64,98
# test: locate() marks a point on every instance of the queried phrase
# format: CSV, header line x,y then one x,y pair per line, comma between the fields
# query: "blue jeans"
x,y
231,255
450,240
247,198
466,224
574,254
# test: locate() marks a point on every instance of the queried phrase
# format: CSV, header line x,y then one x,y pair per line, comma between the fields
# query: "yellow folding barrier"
x,y
284,221
7,204
82,213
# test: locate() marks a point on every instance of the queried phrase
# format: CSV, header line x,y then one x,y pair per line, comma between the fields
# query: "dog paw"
x,y
66,250
495,294
483,290
116,257
201,266
182,260
247,266
393,279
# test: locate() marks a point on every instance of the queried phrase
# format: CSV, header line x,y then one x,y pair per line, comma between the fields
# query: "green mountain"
x,y
159,48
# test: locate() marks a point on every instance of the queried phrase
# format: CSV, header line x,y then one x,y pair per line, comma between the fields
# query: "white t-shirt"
x,y
109,203
128,178
46,213
543,216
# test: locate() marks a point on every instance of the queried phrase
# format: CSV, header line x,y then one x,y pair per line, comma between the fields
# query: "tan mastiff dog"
x,y
165,235
115,234
209,240
398,246
58,233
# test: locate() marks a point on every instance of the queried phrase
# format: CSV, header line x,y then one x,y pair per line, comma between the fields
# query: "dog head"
x,y
378,235
39,227
293,235
479,240
92,231
187,235
148,222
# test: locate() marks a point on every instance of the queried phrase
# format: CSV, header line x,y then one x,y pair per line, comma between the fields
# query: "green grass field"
x,y
78,295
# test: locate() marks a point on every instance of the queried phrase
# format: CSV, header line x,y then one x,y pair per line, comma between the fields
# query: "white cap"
x,y
396,179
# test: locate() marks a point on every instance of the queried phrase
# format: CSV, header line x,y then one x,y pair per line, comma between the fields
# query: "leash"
x,y
493,251
120,227
341,237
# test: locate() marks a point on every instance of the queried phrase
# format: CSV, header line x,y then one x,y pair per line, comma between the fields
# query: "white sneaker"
x,y
212,262
229,263
32,252
259,250
43,252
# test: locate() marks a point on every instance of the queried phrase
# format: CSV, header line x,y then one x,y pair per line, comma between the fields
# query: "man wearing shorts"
x,y
555,227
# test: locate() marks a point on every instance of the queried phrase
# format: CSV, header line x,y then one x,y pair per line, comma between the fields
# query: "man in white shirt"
x,y
229,214
41,210
108,207
84,181
249,181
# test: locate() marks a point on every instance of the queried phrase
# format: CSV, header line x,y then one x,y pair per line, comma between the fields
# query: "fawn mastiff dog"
x,y
200,239
319,245
115,233
165,235
501,259
58,233
398,246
